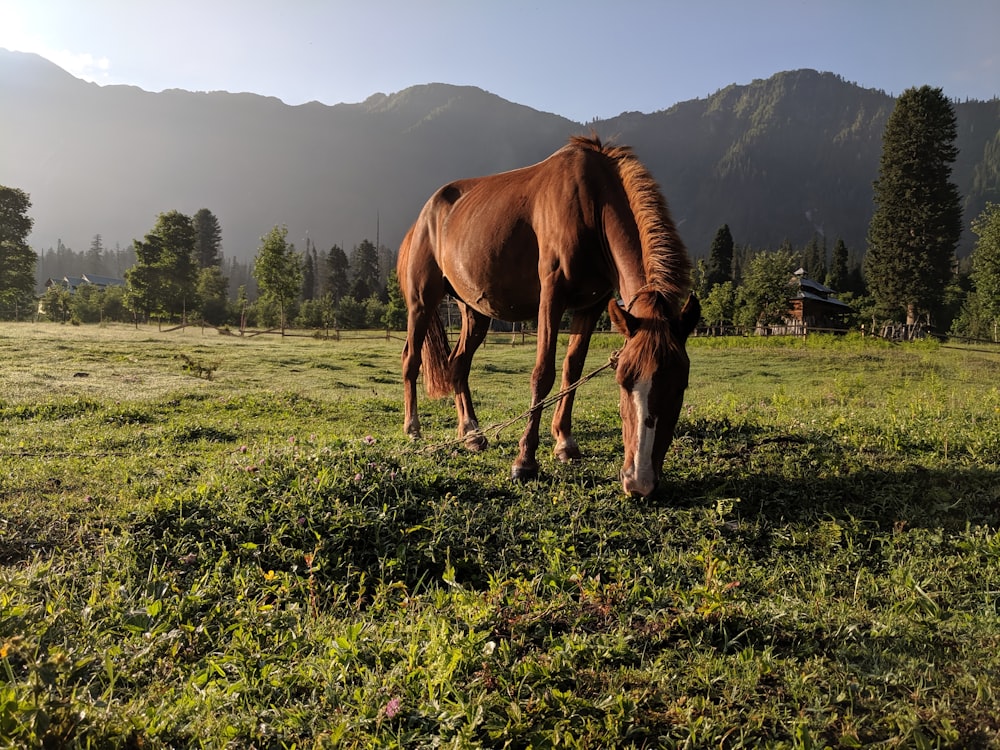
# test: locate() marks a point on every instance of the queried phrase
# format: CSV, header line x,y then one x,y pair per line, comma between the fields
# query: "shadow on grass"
x,y
453,513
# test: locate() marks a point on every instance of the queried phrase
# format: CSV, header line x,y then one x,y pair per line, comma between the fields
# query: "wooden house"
x,y
813,305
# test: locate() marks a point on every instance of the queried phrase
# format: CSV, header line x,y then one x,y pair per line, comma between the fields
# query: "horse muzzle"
x,y
639,483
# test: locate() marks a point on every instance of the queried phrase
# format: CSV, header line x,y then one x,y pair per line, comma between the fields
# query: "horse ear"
x,y
624,322
690,316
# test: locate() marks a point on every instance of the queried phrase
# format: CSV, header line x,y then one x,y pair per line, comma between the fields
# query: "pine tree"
x,y
720,258
17,259
208,238
95,257
364,269
814,258
836,278
309,271
335,279
918,216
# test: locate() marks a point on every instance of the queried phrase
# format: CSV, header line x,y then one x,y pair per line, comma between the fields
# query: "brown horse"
x,y
560,235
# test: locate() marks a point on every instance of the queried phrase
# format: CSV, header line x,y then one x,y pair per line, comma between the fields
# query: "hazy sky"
x,y
577,58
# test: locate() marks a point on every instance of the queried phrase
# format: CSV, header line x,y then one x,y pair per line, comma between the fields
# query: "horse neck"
x,y
626,259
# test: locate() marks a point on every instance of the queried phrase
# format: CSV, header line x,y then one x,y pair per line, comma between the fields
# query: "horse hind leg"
x,y
475,325
416,331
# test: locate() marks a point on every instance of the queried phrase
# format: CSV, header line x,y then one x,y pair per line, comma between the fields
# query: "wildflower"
x,y
243,449
291,439
369,440
4,650
270,575
391,709
357,477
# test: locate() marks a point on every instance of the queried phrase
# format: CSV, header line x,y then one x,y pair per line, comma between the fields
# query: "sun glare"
x,y
14,36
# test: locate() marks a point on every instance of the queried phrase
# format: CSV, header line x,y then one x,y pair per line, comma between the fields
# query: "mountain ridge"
x,y
777,158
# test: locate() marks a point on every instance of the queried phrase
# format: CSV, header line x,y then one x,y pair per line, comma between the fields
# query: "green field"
x,y
217,541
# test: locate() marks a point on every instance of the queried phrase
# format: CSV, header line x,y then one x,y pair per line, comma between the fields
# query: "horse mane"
x,y
665,260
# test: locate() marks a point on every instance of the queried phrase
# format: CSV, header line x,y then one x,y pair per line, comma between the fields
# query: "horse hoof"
x,y
523,473
476,442
568,453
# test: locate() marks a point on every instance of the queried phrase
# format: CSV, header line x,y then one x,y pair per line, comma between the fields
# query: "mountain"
x,y
792,156
776,159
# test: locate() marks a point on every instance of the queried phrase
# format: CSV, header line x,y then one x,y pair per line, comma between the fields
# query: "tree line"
x,y
907,273
178,272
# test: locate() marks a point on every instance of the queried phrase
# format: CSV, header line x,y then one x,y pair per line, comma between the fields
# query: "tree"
x,y
720,259
350,313
213,294
364,268
719,306
164,278
309,271
94,260
17,259
336,280
763,295
918,215
395,310
278,271
836,277
207,238
986,266
814,258
55,303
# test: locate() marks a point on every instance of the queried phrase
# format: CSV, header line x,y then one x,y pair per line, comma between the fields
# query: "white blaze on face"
x,y
645,431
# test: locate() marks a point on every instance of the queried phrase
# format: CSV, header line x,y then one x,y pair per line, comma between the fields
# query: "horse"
x,y
561,235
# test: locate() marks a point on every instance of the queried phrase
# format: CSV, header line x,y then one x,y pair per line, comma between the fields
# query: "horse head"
x,y
652,372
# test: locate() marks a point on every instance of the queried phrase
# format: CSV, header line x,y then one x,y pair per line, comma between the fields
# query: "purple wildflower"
x,y
391,708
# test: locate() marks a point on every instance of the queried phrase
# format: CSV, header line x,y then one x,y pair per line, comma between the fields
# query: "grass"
x,y
260,559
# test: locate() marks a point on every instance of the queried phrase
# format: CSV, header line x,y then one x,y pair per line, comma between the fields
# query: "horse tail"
x,y
436,351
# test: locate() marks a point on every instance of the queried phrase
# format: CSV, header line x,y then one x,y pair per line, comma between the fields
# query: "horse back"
x,y
494,238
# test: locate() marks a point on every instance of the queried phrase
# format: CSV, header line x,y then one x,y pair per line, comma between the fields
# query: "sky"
x,y
576,58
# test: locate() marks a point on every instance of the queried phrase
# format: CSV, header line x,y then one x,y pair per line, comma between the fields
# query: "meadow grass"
x,y
219,541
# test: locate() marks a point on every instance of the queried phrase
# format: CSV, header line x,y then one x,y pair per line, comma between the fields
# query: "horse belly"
x,y
497,279
501,295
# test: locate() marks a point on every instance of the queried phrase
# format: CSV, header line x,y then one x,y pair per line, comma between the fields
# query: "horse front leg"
x,y
474,328
542,377
584,322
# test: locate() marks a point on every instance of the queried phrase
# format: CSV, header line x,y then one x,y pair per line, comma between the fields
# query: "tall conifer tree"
x,y
836,277
17,259
208,238
720,258
918,216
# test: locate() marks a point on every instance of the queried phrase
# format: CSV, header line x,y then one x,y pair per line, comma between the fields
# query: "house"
x,y
813,305
71,283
